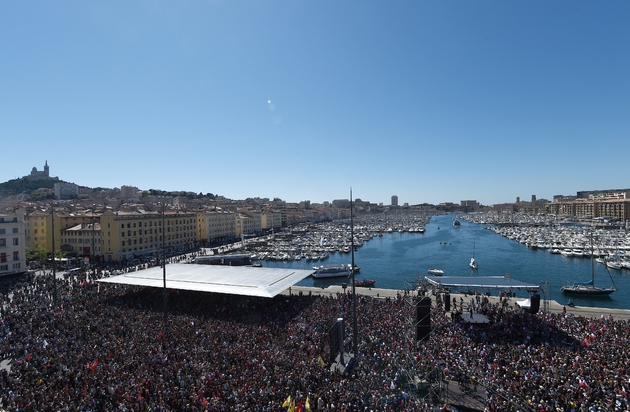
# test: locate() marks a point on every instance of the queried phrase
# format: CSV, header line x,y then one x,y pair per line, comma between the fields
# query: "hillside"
x,y
26,186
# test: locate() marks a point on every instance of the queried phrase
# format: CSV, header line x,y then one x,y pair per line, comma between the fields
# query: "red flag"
x,y
299,407
28,357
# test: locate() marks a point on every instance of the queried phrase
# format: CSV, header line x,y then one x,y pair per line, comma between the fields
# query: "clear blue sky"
x,y
433,101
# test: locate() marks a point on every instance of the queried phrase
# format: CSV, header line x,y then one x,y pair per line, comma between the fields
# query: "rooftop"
x,y
234,280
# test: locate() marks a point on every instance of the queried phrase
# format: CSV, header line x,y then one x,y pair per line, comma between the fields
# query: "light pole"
x,y
164,268
54,268
354,287
92,237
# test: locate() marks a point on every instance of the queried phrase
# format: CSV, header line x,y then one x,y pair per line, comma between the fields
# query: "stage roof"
x,y
235,280
485,282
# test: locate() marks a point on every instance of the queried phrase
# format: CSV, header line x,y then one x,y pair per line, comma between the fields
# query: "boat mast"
x,y
592,262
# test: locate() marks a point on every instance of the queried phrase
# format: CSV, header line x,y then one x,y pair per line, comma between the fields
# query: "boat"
x,y
435,271
456,223
473,263
589,288
332,271
365,283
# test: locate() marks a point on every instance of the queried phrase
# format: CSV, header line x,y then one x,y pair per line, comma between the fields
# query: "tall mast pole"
x,y
354,288
164,266
54,268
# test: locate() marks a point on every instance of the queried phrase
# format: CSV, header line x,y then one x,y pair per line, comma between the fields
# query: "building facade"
x,y
12,244
36,229
220,226
130,235
82,240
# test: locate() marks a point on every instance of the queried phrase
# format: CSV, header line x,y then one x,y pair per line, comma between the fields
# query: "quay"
x,y
554,306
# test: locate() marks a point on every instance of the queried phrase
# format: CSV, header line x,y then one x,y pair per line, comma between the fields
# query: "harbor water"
x,y
393,258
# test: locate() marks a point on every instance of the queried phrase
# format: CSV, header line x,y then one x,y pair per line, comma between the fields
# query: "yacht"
x,y
332,271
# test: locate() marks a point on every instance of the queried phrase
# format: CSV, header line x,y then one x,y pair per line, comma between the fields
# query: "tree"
x,y
37,255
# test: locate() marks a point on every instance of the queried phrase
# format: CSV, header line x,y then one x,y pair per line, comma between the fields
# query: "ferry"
x,y
332,271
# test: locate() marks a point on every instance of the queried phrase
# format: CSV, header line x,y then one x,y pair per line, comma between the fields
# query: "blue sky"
x,y
433,101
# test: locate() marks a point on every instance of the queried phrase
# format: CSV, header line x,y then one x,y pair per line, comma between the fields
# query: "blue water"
x,y
396,257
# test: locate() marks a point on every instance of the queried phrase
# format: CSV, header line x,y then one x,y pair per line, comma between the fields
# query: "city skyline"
x,y
431,102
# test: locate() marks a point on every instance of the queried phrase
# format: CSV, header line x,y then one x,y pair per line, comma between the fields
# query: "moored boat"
x,y
365,283
332,271
435,271
589,288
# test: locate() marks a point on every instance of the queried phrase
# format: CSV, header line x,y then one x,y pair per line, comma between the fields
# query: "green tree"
x,y
38,255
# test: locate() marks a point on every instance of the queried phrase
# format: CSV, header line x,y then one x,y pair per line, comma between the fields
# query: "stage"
x,y
475,318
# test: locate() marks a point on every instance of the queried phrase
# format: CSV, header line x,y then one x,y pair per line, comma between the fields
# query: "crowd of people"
x,y
97,347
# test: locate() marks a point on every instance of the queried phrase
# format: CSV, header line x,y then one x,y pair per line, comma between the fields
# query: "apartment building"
x,y
591,208
220,226
36,229
82,240
12,244
134,234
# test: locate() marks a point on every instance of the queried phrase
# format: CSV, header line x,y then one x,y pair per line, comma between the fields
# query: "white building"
x,y
129,192
65,190
12,244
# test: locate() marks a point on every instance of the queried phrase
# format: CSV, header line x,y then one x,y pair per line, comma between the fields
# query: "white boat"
x,y
435,272
473,263
613,264
332,271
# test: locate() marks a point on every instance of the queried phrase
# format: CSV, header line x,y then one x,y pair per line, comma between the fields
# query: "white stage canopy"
x,y
235,280
480,282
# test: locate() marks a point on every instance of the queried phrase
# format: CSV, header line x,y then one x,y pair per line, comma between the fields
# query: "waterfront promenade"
x,y
554,307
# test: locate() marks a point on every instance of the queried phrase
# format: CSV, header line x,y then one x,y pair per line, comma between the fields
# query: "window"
x,y
16,266
15,241
15,230
4,267
3,242
16,255
2,231
3,257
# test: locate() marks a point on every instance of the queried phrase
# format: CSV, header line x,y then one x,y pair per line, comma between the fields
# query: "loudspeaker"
x,y
535,303
447,302
422,332
423,311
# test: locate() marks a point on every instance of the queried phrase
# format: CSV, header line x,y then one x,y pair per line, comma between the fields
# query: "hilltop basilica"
x,y
41,175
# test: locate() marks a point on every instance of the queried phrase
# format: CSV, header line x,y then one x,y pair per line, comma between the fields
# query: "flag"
x,y
321,361
299,407
292,407
307,404
287,402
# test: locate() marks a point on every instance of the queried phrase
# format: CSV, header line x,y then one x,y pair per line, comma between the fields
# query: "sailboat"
x,y
589,288
473,262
